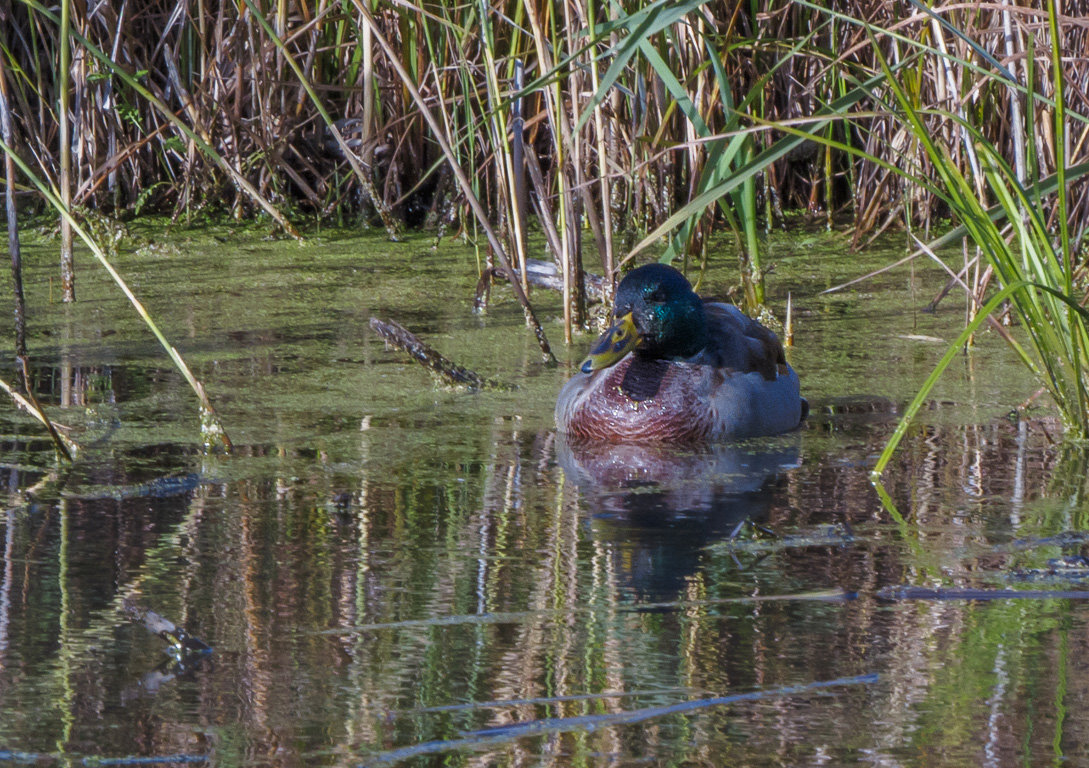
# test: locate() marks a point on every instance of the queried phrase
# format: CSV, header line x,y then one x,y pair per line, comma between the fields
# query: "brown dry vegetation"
x,y
227,77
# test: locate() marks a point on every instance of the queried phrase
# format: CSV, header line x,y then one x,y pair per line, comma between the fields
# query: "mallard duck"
x,y
674,367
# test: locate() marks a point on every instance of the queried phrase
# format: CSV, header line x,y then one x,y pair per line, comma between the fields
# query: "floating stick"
x,y
450,372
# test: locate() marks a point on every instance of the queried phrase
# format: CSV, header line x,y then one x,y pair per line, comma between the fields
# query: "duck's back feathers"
x,y
740,344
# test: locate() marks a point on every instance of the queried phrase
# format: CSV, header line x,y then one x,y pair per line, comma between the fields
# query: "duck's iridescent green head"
x,y
657,314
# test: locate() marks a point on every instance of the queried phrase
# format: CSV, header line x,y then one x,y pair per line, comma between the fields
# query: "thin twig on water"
x,y
490,737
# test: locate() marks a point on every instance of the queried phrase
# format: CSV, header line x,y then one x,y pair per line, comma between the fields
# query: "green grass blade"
x,y
211,426
639,26
932,379
780,149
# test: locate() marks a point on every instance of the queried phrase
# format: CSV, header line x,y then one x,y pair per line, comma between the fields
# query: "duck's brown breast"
x,y
666,402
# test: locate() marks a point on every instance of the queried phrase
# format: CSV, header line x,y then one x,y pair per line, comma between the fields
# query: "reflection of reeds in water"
x,y
350,606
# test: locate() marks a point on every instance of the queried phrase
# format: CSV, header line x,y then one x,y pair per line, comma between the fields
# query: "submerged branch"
x,y
68,758
588,723
540,700
929,593
511,617
176,759
447,370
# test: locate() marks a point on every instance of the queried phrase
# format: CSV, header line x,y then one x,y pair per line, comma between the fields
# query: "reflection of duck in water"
x,y
674,368
657,507
627,479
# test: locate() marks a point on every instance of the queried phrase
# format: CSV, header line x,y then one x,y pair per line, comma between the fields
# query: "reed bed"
x,y
625,113
609,129
628,115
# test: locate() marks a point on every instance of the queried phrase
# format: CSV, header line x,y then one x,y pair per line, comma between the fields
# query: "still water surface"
x,y
394,574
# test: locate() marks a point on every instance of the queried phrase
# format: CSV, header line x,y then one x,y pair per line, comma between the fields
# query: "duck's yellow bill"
x,y
612,345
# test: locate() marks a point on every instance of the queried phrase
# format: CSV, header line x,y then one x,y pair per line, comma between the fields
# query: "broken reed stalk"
x,y
504,142
65,446
463,180
560,135
450,372
211,427
603,135
393,229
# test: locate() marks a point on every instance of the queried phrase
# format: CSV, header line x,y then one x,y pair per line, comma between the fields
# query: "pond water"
x,y
390,573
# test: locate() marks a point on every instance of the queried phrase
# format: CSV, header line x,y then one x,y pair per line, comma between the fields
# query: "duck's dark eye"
x,y
657,296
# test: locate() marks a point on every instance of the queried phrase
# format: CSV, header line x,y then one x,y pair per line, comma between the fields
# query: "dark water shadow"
x,y
661,506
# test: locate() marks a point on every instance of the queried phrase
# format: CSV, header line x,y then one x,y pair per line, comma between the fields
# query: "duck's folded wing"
x,y
739,343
